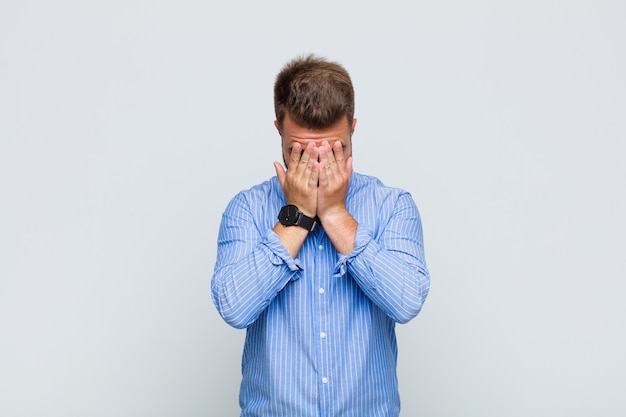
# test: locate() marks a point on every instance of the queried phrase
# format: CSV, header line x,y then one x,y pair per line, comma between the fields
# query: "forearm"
x,y
340,227
396,282
243,289
252,265
292,238
389,264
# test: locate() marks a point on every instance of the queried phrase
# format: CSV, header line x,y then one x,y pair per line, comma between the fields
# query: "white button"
x,y
321,247
324,380
322,335
321,290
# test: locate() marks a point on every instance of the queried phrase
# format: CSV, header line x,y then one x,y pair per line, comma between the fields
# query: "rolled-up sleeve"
x,y
390,266
252,266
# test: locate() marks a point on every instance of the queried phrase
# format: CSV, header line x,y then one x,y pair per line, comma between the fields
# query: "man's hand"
x,y
300,181
300,187
334,180
318,188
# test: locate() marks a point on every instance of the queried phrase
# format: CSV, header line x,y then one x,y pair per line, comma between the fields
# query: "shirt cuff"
x,y
280,256
364,236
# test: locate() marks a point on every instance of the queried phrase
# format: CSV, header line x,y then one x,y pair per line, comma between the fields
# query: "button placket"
x,y
324,273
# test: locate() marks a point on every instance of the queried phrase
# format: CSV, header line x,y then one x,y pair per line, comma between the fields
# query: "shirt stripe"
x,y
320,335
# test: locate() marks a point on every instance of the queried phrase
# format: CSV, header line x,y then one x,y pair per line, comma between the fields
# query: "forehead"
x,y
292,132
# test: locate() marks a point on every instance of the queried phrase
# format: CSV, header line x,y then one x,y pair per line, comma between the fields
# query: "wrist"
x,y
306,207
341,229
335,216
291,215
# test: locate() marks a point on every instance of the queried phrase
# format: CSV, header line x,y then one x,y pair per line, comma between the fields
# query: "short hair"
x,y
315,92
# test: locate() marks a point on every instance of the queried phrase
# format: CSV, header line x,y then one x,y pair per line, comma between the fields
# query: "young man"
x,y
319,263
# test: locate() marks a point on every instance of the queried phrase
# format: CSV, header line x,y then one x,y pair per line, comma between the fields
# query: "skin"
x,y
319,166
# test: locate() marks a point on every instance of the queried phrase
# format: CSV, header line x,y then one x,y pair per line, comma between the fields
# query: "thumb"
x,y
280,172
349,165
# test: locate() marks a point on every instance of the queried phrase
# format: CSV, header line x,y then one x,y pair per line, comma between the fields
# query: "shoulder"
x,y
368,186
259,201
374,204
263,188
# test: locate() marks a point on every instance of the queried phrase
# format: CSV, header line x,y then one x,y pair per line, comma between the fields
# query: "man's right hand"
x,y
300,180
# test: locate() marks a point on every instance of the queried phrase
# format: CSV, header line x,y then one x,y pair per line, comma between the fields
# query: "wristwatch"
x,y
290,216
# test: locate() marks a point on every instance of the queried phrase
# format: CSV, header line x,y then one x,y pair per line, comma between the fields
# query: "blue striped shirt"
x,y
320,335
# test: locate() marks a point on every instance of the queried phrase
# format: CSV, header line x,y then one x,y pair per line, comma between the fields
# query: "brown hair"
x,y
315,92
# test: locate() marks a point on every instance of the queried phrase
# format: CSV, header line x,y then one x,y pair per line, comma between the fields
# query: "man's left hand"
x,y
334,179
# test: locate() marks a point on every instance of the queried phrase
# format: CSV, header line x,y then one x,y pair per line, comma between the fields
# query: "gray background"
x,y
127,126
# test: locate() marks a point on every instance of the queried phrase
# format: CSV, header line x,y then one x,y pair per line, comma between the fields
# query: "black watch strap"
x,y
307,222
290,216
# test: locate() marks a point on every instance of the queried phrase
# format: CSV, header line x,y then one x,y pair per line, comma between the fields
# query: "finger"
x,y
306,161
349,165
330,164
294,158
323,175
339,155
315,175
324,151
313,159
328,152
280,172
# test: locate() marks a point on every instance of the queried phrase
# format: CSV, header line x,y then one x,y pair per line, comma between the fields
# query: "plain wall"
x,y
127,126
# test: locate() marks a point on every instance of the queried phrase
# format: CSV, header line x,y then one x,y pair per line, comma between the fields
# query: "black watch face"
x,y
288,215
